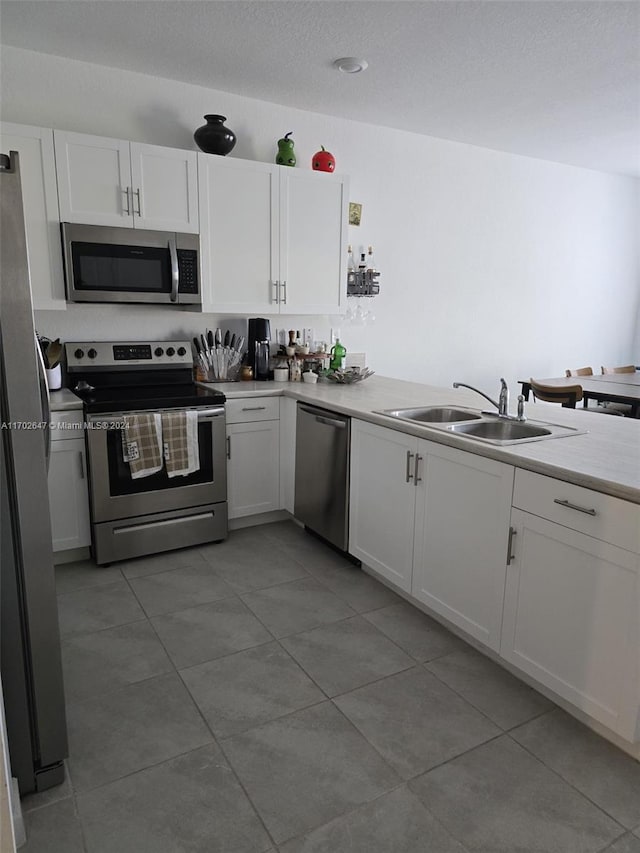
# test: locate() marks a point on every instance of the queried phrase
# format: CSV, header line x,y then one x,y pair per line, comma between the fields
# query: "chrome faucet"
x,y
503,400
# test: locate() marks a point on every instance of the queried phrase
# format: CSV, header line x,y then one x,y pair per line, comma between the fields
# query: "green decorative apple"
x,y
285,155
323,161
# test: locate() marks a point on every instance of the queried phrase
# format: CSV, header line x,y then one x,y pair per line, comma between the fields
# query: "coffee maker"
x,y
258,340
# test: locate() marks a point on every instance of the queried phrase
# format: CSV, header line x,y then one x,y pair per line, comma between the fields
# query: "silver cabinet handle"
x,y
139,210
82,474
284,292
568,505
409,475
228,447
416,478
126,209
510,555
175,273
276,284
253,408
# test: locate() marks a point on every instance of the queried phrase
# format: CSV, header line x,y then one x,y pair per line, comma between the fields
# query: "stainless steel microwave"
x,y
104,264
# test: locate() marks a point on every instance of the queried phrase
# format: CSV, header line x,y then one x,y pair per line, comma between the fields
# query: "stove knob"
x,y
182,351
171,351
79,353
158,351
92,353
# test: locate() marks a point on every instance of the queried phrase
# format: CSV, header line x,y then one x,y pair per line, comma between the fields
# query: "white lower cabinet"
x,y
253,456
68,495
462,529
434,521
572,600
382,501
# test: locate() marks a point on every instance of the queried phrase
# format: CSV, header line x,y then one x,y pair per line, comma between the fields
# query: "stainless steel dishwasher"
x,y
322,473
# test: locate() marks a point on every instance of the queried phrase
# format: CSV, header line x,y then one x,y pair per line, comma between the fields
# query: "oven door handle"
x,y
175,272
115,420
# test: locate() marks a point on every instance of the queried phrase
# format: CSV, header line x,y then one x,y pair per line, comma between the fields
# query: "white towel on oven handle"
x,y
180,442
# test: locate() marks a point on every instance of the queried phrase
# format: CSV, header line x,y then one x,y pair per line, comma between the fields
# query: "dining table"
x,y
603,388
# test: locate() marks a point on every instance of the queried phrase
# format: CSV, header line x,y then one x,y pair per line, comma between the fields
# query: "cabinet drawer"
x,y
601,516
65,425
249,409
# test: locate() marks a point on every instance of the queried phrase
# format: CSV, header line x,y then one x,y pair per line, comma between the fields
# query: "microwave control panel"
x,y
188,271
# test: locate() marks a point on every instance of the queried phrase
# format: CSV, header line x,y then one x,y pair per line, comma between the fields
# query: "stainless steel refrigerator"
x,y
29,633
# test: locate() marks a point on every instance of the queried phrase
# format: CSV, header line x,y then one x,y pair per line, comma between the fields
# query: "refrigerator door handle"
x,y
45,402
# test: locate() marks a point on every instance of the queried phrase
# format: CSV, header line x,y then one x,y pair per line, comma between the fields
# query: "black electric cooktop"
x,y
143,399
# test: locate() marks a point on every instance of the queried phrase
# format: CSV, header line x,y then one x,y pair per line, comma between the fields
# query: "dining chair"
x,y
619,408
627,368
567,396
579,371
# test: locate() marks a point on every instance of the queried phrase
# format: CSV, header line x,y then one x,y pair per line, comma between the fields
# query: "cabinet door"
x,y
462,528
571,618
165,188
94,179
253,468
238,235
68,495
40,200
382,500
313,221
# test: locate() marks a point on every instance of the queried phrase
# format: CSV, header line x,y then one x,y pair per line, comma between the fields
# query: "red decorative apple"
x,y
323,161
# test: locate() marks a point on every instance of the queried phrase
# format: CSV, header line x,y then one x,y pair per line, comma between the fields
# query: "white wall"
x,y
492,264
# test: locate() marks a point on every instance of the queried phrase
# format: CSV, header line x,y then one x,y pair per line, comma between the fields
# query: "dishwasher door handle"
x,y
331,422
323,419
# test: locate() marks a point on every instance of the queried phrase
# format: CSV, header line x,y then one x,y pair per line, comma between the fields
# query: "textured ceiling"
x,y
556,80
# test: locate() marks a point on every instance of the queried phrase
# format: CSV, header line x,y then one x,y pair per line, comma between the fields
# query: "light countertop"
x,y
606,458
64,401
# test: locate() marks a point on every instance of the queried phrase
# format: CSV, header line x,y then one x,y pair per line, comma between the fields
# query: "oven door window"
x,y
130,269
121,482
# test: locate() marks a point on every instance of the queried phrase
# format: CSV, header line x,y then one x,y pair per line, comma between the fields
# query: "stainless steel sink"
x,y
434,414
501,430
480,426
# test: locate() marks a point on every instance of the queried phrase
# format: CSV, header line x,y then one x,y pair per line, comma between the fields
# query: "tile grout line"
x,y
479,710
567,782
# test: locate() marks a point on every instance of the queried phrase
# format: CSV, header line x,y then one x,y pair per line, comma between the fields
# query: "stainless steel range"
x,y
137,514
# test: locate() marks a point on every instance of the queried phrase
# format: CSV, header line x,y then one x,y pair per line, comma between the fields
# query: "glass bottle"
x,y
351,264
371,264
338,356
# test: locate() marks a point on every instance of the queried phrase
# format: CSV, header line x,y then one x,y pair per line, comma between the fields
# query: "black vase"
x,y
213,137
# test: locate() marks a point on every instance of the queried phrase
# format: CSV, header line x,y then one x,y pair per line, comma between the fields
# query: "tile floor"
x,y
265,695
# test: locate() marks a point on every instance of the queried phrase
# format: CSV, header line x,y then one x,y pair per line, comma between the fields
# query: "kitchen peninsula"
x,y
531,552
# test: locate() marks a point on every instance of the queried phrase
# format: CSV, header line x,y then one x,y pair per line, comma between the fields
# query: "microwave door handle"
x,y
175,274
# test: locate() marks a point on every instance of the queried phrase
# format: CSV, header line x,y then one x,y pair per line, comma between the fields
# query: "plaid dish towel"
x,y
141,444
180,437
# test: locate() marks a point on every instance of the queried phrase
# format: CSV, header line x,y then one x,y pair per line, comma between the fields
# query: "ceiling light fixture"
x,y
350,64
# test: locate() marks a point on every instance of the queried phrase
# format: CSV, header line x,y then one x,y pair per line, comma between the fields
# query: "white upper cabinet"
x,y
165,188
272,238
103,181
313,225
239,235
40,199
